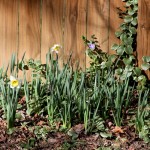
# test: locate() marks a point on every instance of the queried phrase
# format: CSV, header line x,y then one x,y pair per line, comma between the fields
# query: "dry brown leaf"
x,y
40,123
117,130
131,148
36,116
78,128
2,138
22,100
110,124
52,140
58,125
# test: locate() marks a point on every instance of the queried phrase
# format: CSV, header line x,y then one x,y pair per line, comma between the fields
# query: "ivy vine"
x,y
127,49
124,62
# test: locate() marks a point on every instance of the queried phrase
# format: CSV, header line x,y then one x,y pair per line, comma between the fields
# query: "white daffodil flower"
x,y
14,82
56,48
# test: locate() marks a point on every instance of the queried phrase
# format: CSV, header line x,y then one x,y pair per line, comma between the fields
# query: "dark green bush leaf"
x,y
128,3
128,41
134,22
132,30
145,66
123,37
123,26
146,59
128,19
129,49
131,12
137,71
118,33
120,50
114,46
118,71
127,61
112,58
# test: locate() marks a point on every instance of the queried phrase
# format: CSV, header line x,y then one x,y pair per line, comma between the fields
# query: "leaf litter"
x,y
34,132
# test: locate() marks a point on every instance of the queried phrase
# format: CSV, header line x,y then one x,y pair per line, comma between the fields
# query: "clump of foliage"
x,y
122,68
127,49
110,89
10,88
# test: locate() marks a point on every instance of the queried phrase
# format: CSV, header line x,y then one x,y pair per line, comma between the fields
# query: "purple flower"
x,y
91,46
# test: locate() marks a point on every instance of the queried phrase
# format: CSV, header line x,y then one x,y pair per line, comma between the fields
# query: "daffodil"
x,y
56,48
14,82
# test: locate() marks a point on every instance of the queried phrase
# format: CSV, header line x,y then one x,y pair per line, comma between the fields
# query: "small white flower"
x,y
14,82
56,48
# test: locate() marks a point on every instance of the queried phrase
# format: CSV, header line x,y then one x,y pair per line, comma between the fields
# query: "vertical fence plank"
x,y
98,23
29,28
75,27
114,21
143,38
52,29
8,30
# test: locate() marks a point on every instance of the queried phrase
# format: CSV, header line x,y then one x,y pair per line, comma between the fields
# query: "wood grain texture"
x,y
34,28
114,21
29,28
8,30
143,38
98,21
75,27
52,26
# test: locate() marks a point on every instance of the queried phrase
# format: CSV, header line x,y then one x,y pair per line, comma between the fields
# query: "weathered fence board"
x,y
114,22
8,30
98,23
29,28
143,38
52,26
74,28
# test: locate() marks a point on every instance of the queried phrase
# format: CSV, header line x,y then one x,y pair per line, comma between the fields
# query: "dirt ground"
x,y
24,137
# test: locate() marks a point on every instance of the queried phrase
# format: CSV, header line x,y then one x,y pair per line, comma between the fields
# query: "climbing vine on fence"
x,y
127,49
124,62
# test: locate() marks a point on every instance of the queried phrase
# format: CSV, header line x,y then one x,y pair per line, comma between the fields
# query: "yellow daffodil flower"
x,y
56,48
14,82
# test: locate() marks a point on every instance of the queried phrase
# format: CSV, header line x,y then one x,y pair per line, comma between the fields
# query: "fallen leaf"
x,y
22,100
131,148
78,128
36,116
116,145
110,124
52,140
95,137
58,125
117,130
2,138
40,123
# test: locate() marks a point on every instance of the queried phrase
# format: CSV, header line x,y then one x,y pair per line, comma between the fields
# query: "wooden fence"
x,y
35,25
143,38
